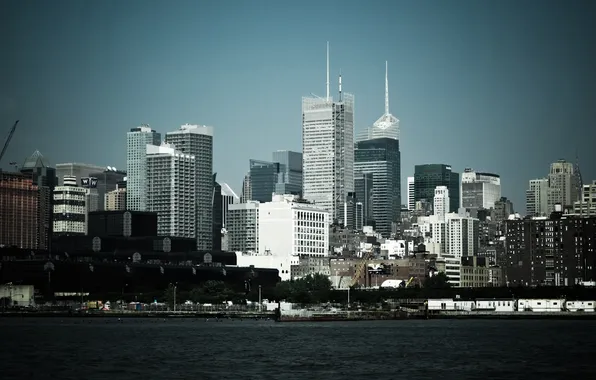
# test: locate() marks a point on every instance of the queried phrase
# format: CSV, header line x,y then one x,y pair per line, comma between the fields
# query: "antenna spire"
x,y
327,70
386,89
340,85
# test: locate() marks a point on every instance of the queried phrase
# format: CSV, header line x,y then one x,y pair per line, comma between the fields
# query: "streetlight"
x,y
260,300
174,286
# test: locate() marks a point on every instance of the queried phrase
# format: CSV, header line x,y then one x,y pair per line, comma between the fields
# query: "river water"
x,y
197,349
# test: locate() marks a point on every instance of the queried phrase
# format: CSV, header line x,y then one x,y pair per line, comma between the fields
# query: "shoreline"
x,y
139,315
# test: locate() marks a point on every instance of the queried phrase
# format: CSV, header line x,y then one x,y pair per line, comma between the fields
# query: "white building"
x,y
171,190
394,249
242,226
411,192
115,200
328,149
136,165
70,208
479,190
586,206
463,234
441,202
197,141
282,263
288,226
500,305
537,197
540,305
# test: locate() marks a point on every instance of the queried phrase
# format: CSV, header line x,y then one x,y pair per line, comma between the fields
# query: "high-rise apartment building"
x,y
197,141
441,202
586,206
290,179
563,180
19,211
71,207
537,197
381,158
263,178
243,227
171,190
479,190
411,198
136,165
246,195
428,177
328,149
115,200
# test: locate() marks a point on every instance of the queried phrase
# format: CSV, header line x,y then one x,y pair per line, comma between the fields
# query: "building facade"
x,y
290,180
363,186
586,206
197,141
242,225
136,165
70,207
171,190
411,198
19,211
537,197
264,176
381,158
115,200
479,190
428,177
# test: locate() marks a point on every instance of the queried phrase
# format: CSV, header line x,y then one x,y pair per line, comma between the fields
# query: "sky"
x,y
499,86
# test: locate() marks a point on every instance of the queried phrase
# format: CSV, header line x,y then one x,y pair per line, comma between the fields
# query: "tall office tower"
x,y
441,202
563,184
197,140
328,149
537,197
263,177
136,165
479,190
290,180
19,211
387,126
246,189
71,204
171,190
381,158
363,184
428,177
38,168
411,199
463,234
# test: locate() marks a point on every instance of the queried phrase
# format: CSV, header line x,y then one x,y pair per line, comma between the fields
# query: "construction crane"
x,y
8,140
361,267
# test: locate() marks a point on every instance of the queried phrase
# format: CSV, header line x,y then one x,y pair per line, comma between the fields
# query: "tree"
x,y
438,281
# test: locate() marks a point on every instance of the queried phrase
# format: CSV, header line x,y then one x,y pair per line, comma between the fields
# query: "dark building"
x,y
363,186
381,157
44,176
19,211
503,208
428,177
107,180
122,223
263,178
289,181
558,251
218,214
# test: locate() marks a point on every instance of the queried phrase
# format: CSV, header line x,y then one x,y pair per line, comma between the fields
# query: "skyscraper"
x,y
537,197
428,177
263,178
171,190
197,141
363,186
328,149
290,180
411,200
19,211
381,158
136,165
564,184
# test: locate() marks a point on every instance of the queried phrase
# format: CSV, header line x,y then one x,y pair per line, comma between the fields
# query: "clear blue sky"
x,y
500,86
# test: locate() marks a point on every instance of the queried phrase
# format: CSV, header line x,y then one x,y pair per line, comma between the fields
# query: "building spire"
x,y
327,71
386,89
340,85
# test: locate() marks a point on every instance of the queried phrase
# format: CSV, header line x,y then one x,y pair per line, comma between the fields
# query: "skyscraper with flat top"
x,y
328,149
136,165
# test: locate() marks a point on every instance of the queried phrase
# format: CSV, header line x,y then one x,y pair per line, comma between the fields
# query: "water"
x,y
197,349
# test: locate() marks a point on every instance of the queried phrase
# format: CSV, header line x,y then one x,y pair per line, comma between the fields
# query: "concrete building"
x,y
586,206
476,272
242,225
171,190
197,141
328,149
137,140
463,239
428,177
537,197
479,190
411,198
503,208
19,211
246,195
71,208
115,200
564,186
289,226
441,202
290,179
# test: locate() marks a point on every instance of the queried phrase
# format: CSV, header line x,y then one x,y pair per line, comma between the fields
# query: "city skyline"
x,y
477,107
